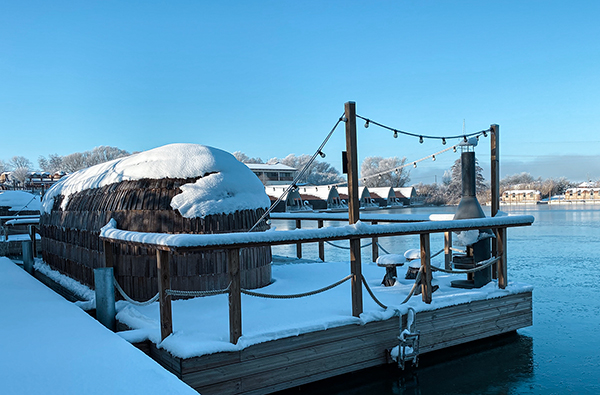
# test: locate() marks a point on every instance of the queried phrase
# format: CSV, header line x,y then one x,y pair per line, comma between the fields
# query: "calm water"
x,y
560,354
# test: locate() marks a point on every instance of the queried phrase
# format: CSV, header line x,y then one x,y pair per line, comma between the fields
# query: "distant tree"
x,y
318,173
454,187
389,178
103,154
432,194
52,164
73,162
551,187
242,157
520,181
21,168
4,166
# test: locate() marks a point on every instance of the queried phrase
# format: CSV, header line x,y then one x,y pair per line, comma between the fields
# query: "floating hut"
x,y
177,188
385,196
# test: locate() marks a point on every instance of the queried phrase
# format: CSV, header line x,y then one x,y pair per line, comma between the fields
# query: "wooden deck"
x,y
293,361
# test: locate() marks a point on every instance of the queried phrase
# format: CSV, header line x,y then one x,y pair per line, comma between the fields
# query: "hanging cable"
x,y
300,175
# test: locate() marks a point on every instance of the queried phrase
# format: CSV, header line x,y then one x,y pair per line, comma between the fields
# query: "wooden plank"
x,y
299,245
374,245
321,243
447,250
502,264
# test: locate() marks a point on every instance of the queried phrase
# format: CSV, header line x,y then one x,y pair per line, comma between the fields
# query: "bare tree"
x,y
17,162
4,166
318,173
73,162
52,164
242,157
390,177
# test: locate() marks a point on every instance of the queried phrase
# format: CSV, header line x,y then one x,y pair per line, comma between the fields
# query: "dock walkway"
x,y
51,346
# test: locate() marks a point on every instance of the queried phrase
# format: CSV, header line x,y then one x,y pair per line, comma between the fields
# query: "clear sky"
x,y
270,78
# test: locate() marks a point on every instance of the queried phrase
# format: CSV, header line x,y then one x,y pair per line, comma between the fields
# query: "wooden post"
x,y
298,244
164,300
502,263
104,285
447,250
353,206
495,185
109,258
321,243
235,296
426,266
374,246
32,232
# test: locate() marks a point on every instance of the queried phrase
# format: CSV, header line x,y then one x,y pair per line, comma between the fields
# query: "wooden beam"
x,y
298,244
426,266
353,206
448,250
374,246
502,264
495,184
235,296
164,283
321,242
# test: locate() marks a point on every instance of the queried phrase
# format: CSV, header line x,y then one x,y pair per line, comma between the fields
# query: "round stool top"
x,y
391,260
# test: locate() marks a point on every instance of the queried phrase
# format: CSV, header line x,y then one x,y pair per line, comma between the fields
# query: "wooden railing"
x,y
166,244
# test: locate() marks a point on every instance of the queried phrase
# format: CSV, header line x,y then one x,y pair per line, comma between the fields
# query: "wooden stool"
x,y
390,262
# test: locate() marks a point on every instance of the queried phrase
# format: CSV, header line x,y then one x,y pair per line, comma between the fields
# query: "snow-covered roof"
x,y
225,184
19,200
382,192
517,191
269,167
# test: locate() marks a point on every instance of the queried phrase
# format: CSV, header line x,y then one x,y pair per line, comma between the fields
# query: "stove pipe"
x,y
469,208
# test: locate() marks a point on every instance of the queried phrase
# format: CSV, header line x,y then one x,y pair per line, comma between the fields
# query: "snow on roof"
x,y
270,167
19,200
381,192
536,192
226,185
51,346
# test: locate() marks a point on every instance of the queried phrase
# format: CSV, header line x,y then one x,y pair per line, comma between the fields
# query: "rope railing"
x,y
135,302
480,266
347,248
195,294
296,296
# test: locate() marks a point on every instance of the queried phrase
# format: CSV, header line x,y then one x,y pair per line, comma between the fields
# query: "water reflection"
x,y
495,366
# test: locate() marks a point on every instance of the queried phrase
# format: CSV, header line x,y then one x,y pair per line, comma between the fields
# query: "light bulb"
x,y
454,148
395,134
367,124
443,141
433,157
465,139
415,165
484,133
421,139
322,154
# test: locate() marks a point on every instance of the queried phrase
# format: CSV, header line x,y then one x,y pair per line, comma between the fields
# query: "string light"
x,y
465,139
395,134
322,154
484,133
421,139
367,124
433,157
443,140
415,165
454,148
379,177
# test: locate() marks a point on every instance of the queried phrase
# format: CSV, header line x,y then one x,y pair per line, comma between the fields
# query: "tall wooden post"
x,y
164,300
298,244
32,236
353,206
235,296
426,276
374,246
321,243
495,186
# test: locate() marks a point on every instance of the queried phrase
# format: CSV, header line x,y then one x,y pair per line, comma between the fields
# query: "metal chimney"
x,y
469,208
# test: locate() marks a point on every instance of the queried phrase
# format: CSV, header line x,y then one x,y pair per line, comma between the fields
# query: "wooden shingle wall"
x,y
70,238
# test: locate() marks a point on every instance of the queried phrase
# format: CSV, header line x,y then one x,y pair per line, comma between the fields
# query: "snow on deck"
x,y
201,325
19,200
50,346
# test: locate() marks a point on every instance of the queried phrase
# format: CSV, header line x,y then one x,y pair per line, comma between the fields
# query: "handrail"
x,y
200,242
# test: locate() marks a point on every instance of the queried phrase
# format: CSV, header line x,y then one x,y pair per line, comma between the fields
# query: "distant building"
x,y
386,197
582,194
521,196
273,174
406,195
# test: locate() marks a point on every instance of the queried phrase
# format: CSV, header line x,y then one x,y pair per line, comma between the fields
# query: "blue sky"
x,y
270,78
